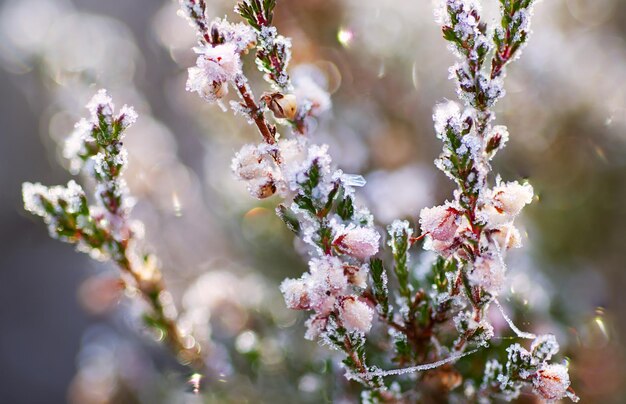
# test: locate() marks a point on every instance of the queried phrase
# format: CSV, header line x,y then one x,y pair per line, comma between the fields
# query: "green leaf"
x,y
305,203
345,208
289,218
379,280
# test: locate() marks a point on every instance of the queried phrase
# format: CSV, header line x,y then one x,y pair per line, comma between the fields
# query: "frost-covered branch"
x,y
347,284
104,229
476,228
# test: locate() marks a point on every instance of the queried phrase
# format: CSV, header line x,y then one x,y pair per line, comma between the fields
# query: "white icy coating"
x,y
418,368
517,331
72,195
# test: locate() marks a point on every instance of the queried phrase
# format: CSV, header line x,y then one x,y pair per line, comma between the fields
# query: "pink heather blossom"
x,y
359,242
296,294
357,276
215,67
551,382
314,327
507,236
439,222
511,197
356,315
239,34
251,165
488,273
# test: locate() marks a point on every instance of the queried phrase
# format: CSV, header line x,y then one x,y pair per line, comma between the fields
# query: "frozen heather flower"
x,y
127,116
295,293
311,95
447,113
314,327
440,222
488,273
327,275
262,187
359,242
250,165
241,35
507,236
215,67
544,347
551,382
356,315
282,105
511,197
357,276
101,105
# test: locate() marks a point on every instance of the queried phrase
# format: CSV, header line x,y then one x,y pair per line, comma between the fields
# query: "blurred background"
x,y
67,335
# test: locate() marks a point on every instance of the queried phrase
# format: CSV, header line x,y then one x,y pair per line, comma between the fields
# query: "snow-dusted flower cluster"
x,y
95,148
346,284
530,367
476,228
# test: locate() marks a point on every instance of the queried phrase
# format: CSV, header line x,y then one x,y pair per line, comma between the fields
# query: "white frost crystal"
x,y
356,315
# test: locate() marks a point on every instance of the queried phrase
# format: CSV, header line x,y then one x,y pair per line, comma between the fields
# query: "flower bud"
x,y
295,294
551,382
282,105
510,198
359,242
356,315
440,222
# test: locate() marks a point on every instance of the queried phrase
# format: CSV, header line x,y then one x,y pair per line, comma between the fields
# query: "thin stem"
x,y
256,113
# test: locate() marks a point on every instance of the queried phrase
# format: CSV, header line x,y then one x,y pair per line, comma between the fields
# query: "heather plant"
x,y
365,297
102,227
470,234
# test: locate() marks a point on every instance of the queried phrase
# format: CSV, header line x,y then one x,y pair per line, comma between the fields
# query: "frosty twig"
x,y
103,229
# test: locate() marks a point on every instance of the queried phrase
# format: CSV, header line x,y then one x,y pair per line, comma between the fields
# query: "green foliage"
x,y
400,247
257,13
379,287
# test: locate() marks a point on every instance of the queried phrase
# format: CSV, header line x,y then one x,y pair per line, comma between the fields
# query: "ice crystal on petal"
x,y
511,197
356,315
440,222
551,382
241,35
359,242
489,274
215,67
